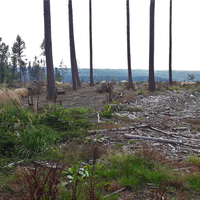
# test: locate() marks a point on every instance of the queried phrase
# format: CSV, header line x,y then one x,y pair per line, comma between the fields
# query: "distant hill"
x,y
122,74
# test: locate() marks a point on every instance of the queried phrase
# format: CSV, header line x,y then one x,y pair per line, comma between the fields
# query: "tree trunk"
x,y
151,47
74,68
51,90
170,44
130,81
91,52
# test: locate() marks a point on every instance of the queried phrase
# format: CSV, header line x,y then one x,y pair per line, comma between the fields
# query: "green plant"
x,y
8,141
75,172
137,119
193,160
133,170
115,102
107,111
194,181
191,77
66,119
11,123
139,92
76,175
174,88
6,180
119,145
93,191
34,140
188,87
132,141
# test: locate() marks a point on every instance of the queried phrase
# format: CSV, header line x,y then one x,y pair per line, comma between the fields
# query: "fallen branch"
x,y
139,126
161,131
118,95
137,137
114,192
127,136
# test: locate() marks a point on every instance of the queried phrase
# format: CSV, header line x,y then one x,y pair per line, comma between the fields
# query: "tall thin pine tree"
x,y
151,47
130,81
74,68
91,48
51,89
170,44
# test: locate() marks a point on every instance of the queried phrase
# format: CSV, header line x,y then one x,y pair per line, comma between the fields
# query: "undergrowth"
x,y
27,136
22,134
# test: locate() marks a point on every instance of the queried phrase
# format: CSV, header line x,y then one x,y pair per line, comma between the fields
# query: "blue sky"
x,y
25,17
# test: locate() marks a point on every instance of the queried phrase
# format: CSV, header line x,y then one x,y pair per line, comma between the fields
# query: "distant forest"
x,y
137,75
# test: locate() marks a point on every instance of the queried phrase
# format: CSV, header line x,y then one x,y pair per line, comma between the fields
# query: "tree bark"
x,y
151,47
130,81
91,49
74,68
170,44
51,90
74,85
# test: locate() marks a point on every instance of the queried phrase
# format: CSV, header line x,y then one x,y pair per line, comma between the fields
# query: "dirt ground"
x,y
164,115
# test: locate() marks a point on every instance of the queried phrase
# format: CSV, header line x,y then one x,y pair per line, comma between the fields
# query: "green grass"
x,y
133,171
193,160
132,141
174,88
5,181
194,182
24,135
35,140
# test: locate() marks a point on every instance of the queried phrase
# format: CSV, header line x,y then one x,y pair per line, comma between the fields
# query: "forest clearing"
x,y
101,142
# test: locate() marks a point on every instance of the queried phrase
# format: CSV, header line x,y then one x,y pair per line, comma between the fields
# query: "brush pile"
x,y
22,92
7,96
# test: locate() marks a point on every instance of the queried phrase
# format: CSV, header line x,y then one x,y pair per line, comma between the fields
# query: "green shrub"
x,y
34,140
139,92
174,88
107,111
8,141
66,119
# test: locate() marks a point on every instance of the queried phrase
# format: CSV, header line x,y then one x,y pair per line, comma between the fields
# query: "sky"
x,y
25,17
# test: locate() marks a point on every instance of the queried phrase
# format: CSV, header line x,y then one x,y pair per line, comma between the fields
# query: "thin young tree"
x,y
14,67
130,80
17,51
4,54
51,89
91,48
74,67
170,44
151,47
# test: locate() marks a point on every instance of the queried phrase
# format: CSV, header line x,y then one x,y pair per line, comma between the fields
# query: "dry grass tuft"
x,y
22,92
6,96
